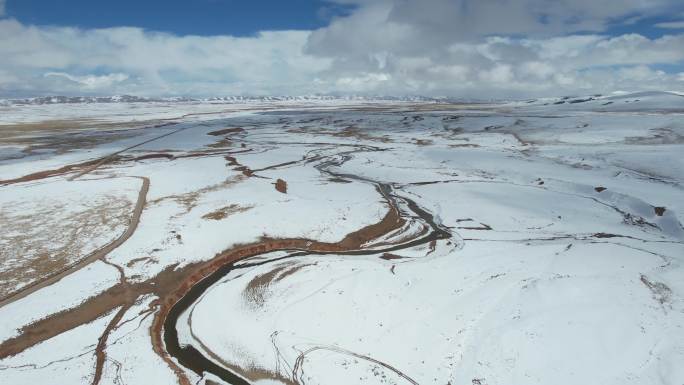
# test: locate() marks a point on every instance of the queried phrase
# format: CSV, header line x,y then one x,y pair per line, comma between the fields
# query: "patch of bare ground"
x,y
133,261
55,273
423,142
154,156
246,171
347,132
45,240
257,289
391,221
15,133
232,161
190,199
225,212
61,144
281,186
661,292
50,173
237,166
223,143
339,180
390,256
36,244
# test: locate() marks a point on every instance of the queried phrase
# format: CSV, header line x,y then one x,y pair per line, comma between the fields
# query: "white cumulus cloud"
x,y
671,25
483,48
91,81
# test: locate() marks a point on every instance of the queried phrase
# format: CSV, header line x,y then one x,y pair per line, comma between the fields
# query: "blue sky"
x,y
238,18
183,17
469,48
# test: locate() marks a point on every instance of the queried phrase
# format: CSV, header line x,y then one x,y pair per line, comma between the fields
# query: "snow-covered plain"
x,y
563,262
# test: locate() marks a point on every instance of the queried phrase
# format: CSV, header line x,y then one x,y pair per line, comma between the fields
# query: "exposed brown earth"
x,y
232,161
347,132
98,254
391,221
223,143
225,212
154,156
26,132
244,170
281,186
50,173
389,256
190,199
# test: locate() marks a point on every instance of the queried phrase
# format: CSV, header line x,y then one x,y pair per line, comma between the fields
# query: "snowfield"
x,y
315,241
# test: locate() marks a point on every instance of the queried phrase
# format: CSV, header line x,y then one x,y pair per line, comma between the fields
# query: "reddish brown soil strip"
x,y
391,221
92,257
58,323
605,235
245,170
231,161
292,270
86,167
49,173
389,256
226,131
123,295
281,186
153,156
100,354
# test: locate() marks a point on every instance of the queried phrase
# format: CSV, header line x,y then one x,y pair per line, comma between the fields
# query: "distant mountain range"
x,y
567,100
228,99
